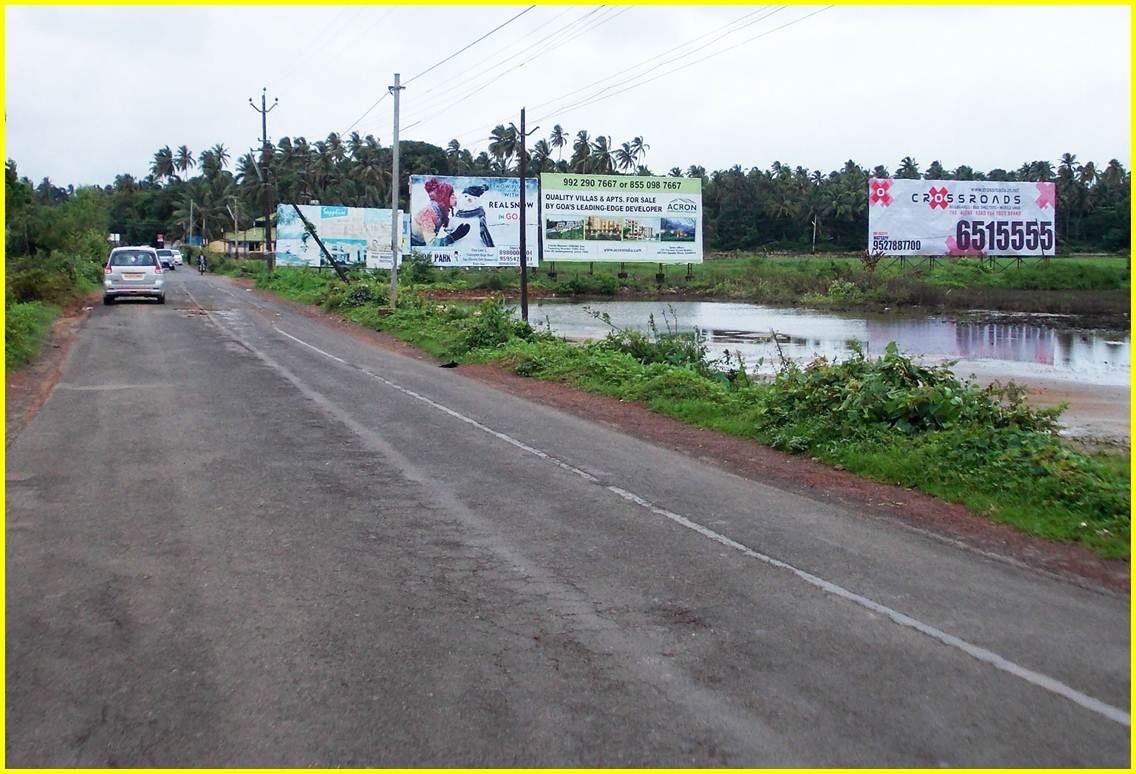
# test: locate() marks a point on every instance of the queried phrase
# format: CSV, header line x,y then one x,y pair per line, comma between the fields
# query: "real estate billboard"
x,y
621,218
472,221
960,217
353,235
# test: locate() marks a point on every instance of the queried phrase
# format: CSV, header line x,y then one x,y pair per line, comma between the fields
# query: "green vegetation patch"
x,y
25,326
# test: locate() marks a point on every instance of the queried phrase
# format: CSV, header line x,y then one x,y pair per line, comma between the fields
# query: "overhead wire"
x,y
438,64
468,46
595,99
597,23
499,62
651,59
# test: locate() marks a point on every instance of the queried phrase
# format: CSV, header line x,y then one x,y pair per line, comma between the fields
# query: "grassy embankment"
x,y
888,419
36,290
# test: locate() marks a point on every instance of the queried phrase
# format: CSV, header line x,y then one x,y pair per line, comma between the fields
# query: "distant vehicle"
x,y
170,259
133,271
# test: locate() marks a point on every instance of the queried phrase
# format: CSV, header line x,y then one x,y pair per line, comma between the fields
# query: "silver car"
x,y
133,271
170,259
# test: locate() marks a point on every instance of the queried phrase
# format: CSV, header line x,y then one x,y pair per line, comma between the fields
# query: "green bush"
x,y
25,325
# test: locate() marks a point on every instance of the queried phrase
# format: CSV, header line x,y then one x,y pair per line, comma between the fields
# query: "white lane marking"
x,y
982,654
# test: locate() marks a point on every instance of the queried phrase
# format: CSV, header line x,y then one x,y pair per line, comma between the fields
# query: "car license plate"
x,y
133,276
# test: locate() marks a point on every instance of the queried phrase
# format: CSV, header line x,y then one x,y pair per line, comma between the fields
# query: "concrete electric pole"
x,y
396,230
264,110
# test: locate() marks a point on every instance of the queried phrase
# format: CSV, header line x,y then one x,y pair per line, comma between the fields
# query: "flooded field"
x,y
1015,345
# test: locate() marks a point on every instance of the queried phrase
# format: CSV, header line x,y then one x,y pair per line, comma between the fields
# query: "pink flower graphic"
x,y
1046,195
953,248
879,190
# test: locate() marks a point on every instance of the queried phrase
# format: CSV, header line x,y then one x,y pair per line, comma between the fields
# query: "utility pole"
x,y
396,225
191,221
264,110
524,258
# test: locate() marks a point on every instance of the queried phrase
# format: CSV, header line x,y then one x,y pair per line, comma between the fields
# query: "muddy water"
x,y
997,344
1057,360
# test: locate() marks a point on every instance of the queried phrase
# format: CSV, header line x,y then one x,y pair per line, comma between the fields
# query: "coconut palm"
x,y
624,156
183,160
581,150
601,157
503,144
222,155
540,157
639,148
908,169
558,139
163,164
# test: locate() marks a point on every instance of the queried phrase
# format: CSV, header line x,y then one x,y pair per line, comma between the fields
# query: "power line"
x,y
593,100
690,42
470,45
438,64
597,23
652,58
499,61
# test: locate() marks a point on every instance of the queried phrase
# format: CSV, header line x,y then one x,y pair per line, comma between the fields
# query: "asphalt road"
x,y
237,537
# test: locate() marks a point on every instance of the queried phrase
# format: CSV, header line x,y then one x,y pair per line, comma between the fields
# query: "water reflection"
x,y
1017,345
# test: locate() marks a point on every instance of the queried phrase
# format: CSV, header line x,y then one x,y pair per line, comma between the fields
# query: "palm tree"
x,y
558,139
1068,166
674,172
541,154
222,155
696,171
581,150
503,144
908,169
935,171
183,160
601,156
639,148
163,164
207,160
624,156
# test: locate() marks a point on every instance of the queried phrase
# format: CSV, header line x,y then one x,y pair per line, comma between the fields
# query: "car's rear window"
x,y
165,253
133,258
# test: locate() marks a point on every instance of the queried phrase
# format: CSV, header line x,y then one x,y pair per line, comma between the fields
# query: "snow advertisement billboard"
x,y
621,218
960,217
472,221
353,235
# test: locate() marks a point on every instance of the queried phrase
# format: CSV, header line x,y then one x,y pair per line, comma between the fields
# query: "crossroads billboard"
x,y
960,217
619,218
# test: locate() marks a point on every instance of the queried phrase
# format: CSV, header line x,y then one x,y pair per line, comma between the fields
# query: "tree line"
x,y
783,207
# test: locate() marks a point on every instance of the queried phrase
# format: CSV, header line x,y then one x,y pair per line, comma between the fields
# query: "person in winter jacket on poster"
x,y
428,228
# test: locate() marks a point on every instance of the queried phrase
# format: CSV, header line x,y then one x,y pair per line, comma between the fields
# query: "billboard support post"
x,y
396,232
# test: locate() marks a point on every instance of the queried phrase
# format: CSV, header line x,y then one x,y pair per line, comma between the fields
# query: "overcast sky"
x,y
93,92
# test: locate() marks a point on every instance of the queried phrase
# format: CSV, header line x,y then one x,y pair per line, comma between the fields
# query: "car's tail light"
x,y
158,268
106,270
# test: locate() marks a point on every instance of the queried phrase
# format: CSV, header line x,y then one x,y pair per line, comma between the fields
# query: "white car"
x,y
170,259
133,271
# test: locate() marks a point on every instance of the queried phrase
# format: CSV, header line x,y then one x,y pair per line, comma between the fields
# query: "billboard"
x,y
353,235
960,217
621,218
472,221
